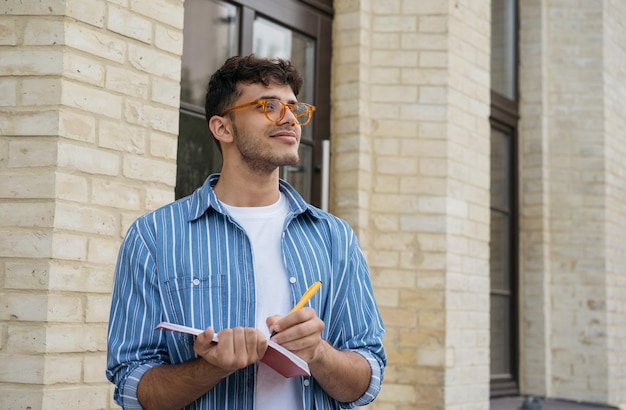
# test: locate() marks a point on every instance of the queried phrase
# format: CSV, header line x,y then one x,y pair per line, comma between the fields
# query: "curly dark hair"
x,y
222,90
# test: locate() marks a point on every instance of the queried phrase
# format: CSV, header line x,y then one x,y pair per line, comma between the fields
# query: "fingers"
x,y
300,332
281,323
236,349
299,323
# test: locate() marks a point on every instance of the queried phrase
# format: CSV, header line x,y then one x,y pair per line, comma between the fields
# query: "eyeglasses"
x,y
275,110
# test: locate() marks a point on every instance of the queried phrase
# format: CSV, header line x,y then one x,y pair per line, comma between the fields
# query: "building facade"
x,y
90,109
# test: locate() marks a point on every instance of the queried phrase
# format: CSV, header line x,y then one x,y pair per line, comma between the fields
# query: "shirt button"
x,y
292,280
196,282
306,382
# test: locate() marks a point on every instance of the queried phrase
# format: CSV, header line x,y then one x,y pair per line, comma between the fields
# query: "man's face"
x,y
264,145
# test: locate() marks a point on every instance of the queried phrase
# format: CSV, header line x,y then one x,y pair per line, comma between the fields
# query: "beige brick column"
x,y
614,50
411,174
88,122
468,205
572,172
534,204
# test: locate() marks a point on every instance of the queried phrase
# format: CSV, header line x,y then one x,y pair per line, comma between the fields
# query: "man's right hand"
x,y
175,386
237,347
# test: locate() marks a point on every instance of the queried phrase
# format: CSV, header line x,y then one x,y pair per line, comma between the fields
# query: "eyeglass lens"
x,y
275,111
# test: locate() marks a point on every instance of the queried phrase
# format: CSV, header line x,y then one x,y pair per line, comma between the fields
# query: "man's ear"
x,y
221,128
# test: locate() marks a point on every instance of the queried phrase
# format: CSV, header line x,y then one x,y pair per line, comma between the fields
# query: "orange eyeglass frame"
x,y
310,109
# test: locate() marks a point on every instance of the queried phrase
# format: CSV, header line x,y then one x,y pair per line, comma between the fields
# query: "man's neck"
x,y
247,190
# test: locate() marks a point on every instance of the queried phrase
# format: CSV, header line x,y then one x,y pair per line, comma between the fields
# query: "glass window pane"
x,y
500,348
211,36
501,170
503,51
198,156
500,248
300,176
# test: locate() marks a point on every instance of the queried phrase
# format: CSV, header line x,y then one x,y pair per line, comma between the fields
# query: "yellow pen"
x,y
305,298
307,295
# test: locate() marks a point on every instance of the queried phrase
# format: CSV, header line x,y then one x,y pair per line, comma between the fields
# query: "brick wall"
x,y
88,123
411,174
614,51
534,210
572,196
467,209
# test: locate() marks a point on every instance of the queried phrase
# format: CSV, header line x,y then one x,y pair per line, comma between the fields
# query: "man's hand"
x,y
300,332
343,374
175,386
236,349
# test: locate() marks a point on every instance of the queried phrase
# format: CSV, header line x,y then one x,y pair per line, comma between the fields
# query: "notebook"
x,y
277,357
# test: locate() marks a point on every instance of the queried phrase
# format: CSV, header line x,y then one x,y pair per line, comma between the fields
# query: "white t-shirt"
x,y
264,227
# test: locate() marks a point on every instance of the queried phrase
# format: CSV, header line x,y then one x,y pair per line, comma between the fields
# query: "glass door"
x,y
206,22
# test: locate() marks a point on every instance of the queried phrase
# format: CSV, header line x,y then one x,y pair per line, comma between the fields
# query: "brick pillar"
x,y
614,50
352,142
467,205
88,139
572,175
411,137
534,203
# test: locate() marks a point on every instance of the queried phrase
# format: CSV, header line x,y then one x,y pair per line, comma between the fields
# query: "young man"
x,y
233,258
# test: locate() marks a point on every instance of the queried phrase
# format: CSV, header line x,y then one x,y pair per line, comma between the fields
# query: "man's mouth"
x,y
285,135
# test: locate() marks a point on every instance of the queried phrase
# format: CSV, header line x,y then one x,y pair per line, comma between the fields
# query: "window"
x,y
504,230
503,261
215,30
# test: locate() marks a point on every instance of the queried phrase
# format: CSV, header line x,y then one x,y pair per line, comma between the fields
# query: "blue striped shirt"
x,y
189,263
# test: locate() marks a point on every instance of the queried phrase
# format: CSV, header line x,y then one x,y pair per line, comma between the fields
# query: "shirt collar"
x,y
204,198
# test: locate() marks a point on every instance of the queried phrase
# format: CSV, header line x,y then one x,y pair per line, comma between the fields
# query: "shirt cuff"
x,y
376,380
127,392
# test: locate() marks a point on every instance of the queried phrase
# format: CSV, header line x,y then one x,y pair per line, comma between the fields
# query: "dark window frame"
x,y
504,117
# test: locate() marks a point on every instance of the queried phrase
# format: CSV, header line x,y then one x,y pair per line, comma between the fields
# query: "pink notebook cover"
x,y
277,357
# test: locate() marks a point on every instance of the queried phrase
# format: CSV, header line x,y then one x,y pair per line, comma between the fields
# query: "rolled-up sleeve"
x,y
133,347
376,381
360,321
126,387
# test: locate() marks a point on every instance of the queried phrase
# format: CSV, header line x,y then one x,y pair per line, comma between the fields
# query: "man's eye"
x,y
272,105
300,109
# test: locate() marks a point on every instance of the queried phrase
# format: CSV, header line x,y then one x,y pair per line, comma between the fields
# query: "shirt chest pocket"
x,y
197,301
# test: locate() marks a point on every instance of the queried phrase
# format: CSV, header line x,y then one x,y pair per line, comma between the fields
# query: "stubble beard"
x,y
258,156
